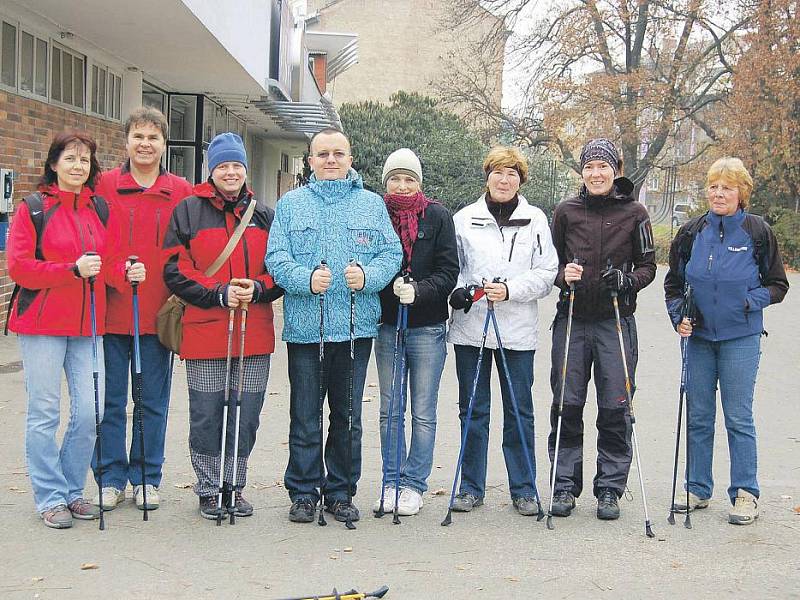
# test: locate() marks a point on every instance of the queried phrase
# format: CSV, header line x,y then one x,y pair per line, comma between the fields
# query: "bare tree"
x,y
631,70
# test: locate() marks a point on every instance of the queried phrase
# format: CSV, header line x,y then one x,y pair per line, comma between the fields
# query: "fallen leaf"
x,y
17,490
373,384
348,549
512,579
367,399
183,486
333,557
461,567
89,566
274,393
676,565
796,510
439,492
785,497
37,579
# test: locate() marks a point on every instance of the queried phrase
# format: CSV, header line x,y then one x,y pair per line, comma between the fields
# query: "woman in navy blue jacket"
x,y
731,260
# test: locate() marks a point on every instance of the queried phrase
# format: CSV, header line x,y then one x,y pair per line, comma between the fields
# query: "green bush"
x,y
786,225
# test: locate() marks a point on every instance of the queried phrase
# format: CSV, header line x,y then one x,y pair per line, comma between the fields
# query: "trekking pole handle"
x,y
133,259
91,253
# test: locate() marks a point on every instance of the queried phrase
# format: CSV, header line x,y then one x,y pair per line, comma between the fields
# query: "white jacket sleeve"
x,y
537,282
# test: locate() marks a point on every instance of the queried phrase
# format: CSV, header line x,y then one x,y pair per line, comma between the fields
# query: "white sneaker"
x,y
111,498
409,503
152,497
388,500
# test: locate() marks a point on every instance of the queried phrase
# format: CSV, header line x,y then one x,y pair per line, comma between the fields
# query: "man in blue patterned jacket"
x,y
318,230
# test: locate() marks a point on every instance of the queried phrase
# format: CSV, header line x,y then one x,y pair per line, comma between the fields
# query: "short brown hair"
x,y
58,145
506,157
146,115
733,171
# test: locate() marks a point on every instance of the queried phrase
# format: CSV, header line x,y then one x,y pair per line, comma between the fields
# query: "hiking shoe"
x,y
111,498
563,503
208,508
695,503
409,503
302,511
83,509
388,500
241,507
57,517
342,510
607,507
465,502
153,500
745,509
526,506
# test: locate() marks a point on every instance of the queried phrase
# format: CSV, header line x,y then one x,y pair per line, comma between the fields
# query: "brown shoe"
x,y
82,509
57,517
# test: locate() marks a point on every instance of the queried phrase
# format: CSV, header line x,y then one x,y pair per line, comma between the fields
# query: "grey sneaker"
x,y
745,509
695,503
302,510
465,502
607,506
84,510
241,507
57,517
342,510
563,503
526,506
111,498
208,508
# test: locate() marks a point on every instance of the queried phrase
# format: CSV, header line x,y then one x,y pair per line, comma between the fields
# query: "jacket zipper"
x,y
158,227
130,229
539,243
513,241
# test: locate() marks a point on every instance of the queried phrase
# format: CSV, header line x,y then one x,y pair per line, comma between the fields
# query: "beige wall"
x,y
402,45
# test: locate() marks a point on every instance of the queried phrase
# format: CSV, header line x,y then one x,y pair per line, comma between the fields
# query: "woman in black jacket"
x,y
430,263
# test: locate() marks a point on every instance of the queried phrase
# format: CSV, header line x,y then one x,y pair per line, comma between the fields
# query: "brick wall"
x,y
26,129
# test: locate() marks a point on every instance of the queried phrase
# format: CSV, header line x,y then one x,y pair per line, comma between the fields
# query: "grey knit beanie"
x,y
600,149
402,161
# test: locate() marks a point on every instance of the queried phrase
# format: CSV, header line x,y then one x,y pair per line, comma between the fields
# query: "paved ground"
x,y
491,553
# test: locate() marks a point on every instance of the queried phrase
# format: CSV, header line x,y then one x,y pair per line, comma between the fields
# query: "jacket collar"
x,y
57,195
732,220
621,191
126,184
208,191
523,210
337,190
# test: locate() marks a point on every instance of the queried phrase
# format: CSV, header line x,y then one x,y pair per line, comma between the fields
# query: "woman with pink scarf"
x,y
430,267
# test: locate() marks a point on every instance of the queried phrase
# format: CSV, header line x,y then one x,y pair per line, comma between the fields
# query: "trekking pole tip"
x,y
671,517
550,522
448,519
648,530
349,524
687,522
541,515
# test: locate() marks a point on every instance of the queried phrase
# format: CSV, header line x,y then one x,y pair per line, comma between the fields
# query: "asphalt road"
x,y
490,553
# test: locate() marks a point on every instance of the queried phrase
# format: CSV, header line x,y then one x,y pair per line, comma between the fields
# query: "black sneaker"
x,y
241,507
208,508
563,503
342,510
607,507
302,511
526,506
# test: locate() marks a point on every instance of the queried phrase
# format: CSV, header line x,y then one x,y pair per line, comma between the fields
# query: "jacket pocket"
x,y
304,241
364,242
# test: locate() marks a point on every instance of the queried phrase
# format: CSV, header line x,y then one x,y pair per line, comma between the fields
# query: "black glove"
x,y
616,281
462,298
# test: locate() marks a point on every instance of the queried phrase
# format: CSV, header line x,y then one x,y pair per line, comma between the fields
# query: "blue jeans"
x,y
426,351
57,474
734,364
473,471
302,475
118,468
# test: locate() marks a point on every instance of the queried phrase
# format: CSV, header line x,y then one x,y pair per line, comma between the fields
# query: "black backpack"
x,y
40,218
753,225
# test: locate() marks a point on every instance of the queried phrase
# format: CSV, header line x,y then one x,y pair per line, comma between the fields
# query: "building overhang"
x,y
340,48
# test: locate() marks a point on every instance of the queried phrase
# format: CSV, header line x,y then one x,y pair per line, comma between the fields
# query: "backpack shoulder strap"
x,y
756,228
692,228
101,208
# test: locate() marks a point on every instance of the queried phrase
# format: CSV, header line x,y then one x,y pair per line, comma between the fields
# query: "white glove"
x,y
406,292
397,285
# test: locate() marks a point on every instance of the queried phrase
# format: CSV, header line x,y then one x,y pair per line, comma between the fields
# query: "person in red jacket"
x,y
141,196
56,244
200,227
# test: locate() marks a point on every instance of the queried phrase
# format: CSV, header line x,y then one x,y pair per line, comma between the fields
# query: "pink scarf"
x,y
405,212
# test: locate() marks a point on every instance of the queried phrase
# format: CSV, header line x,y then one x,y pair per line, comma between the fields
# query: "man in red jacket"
x,y
141,195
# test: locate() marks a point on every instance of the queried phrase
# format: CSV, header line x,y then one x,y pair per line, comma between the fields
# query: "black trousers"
x,y
593,350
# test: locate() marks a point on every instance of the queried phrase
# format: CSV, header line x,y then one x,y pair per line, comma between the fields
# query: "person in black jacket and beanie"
x,y
430,262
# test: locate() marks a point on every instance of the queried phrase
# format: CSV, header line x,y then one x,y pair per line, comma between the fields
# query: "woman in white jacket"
x,y
502,237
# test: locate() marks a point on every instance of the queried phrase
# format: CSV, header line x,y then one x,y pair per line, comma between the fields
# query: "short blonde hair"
x,y
733,171
506,157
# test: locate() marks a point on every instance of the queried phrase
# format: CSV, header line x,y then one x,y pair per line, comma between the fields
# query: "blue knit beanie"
x,y
226,147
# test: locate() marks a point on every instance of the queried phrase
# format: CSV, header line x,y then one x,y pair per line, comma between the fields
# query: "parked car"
x,y
680,214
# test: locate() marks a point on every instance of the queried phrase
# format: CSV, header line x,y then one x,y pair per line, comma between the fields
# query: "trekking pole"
x,y
449,517
687,313
647,527
515,406
387,449
401,415
221,494
351,595
138,406
237,408
321,522
349,521
561,406
98,428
